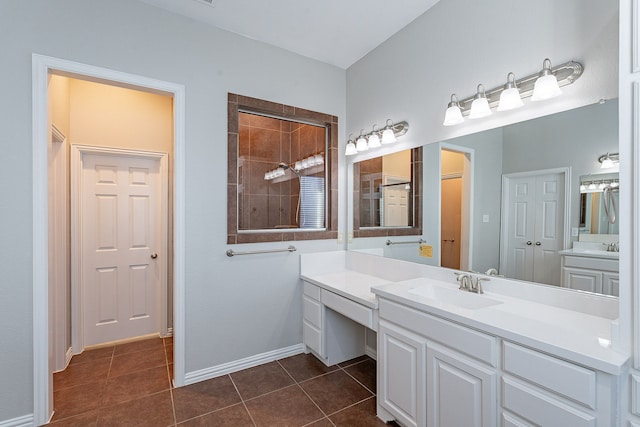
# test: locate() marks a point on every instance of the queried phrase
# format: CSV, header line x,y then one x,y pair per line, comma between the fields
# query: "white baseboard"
x,y
371,352
238,365
68,357
23,421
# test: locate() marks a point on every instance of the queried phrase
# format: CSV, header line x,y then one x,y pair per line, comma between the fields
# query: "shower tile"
x,y
257,184
232,117
244,119
260,104
265,145
259,215
274,211
243,141
264,122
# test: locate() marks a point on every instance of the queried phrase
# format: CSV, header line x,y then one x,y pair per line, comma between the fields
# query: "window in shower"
x,y
281,164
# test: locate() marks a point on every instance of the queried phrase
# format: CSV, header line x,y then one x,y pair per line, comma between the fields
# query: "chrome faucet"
x,y
465,281
470,283
477,286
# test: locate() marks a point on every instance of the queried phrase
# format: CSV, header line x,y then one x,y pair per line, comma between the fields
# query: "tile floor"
x,y
129,385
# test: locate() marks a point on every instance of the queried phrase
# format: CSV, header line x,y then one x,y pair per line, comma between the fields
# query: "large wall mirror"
x,y
520,205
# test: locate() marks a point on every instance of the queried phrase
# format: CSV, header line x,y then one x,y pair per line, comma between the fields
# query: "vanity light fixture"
x,y
546,86
453,116
609,160
538,86
389,134
510,96
298,165
480,105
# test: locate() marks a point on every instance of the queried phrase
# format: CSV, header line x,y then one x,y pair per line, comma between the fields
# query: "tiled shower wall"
x,y
263,143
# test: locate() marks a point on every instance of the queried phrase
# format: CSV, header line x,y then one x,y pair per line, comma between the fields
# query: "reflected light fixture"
x,y
374,139
361,143
351,148
510,96
480,105
609,160
546,86
453,116
388,135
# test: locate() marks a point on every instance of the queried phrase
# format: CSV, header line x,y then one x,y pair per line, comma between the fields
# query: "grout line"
x,y
173,407
356,380
242,400
351,406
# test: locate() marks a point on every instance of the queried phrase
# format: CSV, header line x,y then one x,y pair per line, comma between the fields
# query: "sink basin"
x,y
454,297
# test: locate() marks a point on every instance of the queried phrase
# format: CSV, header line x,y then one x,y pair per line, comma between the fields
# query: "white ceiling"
x,y
338,32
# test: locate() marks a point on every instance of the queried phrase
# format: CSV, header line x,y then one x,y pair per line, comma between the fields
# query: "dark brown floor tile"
x,y
354,361
304,366
129,363
138,384
130,347
169,352
286,407
361,415
365,372
76,400
90,355
335,391
204,397
86,419
170,368
167,340
321,423
153,411
233,416
261,379
82,373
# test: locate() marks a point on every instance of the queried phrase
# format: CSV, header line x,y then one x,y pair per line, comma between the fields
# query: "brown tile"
x,y
265,145
354,361
76,400
204,397
154,410
233,416
86,419
287,407
361,415
82,373
335,391
134,346
304,366
168,349
264,122
321,423
167,340
261,379
91,355
365,373
170,368
138,361
138,384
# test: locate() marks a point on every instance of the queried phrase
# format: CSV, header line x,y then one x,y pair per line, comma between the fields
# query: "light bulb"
x,y
319,159
510,96
546,87
606,163
592,186
453,115
480,105
350,150
361,144
374,140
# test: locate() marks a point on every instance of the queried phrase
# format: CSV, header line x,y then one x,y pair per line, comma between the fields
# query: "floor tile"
x,y
86,419
130,347
139,361
365,372
233,416
304,366
321,423
286,407
335,391
361,415
138,384
354,361
90,355
167,340
204,397
76,400
82,373
168,348
261,379
153,411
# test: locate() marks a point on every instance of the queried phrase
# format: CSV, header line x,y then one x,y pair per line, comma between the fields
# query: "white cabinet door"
x,y
460,392
611,284
401,374
583,280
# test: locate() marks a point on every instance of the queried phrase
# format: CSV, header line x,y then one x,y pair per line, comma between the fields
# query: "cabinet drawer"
x,y
311,290
473,343
346,307
311,311
312,337
591,263
541,408
564,378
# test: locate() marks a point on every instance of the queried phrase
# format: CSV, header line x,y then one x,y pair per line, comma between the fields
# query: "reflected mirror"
x,y
524,212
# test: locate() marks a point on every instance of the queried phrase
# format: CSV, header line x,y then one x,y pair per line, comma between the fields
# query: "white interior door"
x,y
396,204
121,238
534,230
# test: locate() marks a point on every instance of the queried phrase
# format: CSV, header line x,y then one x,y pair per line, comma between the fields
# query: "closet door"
x,y
548,228
520,230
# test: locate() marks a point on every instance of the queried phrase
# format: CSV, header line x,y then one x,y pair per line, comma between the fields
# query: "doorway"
x,y
44,301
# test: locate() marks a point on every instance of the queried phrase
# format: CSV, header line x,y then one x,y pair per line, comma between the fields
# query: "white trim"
x,y
635,42
41,67
504,209
23,421
634,231
240,364
76,154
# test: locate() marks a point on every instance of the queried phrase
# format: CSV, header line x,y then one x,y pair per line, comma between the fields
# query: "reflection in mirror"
x,y
387,194
599,201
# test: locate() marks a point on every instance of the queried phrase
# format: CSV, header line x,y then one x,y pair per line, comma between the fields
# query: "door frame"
x,y
41,67
77,306
504,209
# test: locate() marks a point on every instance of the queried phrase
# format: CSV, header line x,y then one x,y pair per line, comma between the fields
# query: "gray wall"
x,y
235,308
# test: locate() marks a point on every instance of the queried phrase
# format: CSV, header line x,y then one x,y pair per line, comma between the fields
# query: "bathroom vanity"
x,y
517,355
589,267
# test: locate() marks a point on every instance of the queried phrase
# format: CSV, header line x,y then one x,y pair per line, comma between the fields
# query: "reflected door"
x,y
535,228
120,223
450,222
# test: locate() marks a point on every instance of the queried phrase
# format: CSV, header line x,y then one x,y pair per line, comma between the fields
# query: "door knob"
x,y
529,243
538,243
154,255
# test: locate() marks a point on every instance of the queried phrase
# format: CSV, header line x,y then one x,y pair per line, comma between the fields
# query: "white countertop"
x,y
349,284
590,253
580,337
